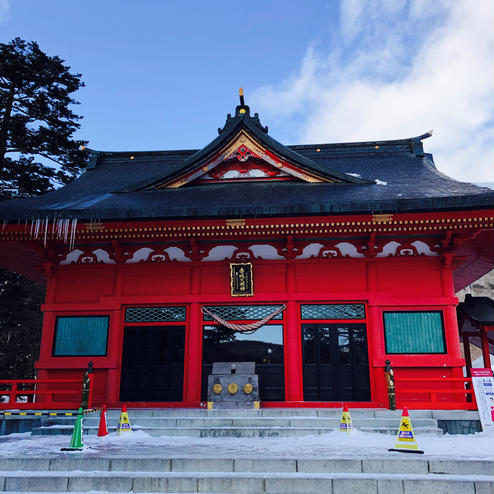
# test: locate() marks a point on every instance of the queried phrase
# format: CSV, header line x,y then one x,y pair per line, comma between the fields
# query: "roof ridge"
x,y
390,142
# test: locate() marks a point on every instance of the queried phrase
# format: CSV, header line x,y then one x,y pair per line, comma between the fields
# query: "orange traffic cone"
x,y
123,423
103,429
346,420
405,442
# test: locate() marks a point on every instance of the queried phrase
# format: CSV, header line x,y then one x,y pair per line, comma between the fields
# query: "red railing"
x,y
453,393
49,394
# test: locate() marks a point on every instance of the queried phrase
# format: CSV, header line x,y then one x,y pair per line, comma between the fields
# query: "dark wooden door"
x,y
335,362
153,363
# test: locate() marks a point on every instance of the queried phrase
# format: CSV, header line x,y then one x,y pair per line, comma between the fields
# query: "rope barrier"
x,y
49,414
37,414
243,328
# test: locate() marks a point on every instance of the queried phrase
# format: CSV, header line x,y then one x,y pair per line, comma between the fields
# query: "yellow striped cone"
x,y
123,422
346,420
405,443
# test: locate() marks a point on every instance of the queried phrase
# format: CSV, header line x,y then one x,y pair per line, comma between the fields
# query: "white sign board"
x,y
483,385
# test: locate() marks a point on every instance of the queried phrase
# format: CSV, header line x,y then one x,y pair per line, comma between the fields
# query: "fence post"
x,y
13,393
86,386
390,384
90,397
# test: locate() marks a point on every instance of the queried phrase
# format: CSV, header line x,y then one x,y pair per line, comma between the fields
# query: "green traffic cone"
x,y
76,440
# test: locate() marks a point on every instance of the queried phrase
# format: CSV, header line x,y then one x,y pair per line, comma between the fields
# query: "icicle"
x,y
59,228
53,227
46,231
32,227
36,228
66,230
4,224
72,233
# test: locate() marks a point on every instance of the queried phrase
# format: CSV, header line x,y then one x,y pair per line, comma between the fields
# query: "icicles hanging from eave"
x,y
66,224
62,229
46,231
72,233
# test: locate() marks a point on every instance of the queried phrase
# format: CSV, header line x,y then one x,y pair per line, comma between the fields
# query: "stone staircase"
x,y
268,422
74,473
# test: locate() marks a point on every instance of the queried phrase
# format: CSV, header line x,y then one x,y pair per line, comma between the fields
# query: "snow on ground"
x,y
335,444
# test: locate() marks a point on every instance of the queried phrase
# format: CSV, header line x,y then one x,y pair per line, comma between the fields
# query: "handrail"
x,y
437,397
446,379
38,381
46,393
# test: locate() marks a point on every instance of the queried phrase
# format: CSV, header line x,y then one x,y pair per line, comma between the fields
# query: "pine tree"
x,y
37,147
37,153
20,325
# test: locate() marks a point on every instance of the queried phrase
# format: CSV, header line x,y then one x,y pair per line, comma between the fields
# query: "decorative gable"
x,y
243,158
243,151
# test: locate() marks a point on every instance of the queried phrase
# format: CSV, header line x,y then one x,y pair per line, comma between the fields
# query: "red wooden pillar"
x,y
115,349
48,333
294,390
48,329
375,340
50,290
193,344
115,343
468,355
294,386
485,348
450,318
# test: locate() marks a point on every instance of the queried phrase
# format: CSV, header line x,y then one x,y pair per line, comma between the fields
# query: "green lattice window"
x,y
155,314
81,335
414,332
332,311
242,312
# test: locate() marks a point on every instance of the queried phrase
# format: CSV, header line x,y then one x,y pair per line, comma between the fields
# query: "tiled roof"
x,y
478,309
387,176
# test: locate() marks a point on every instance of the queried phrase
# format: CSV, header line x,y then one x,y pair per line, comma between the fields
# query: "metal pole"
x,y
390,384
86,385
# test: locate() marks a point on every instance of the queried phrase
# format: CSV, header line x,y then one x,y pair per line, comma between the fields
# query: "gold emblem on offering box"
x,y
248,388
232,388
241,281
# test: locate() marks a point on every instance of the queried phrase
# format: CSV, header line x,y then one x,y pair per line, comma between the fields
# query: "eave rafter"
x,y
451,226
360,238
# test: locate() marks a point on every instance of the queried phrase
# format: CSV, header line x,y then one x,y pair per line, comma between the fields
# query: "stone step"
x,y
259,422
253,423
248,483
208,431
378,465
276,412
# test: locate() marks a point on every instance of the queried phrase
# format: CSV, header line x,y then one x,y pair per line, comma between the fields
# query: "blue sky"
x,y
163,74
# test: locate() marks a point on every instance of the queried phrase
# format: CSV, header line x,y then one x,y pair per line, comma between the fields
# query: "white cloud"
x,y
4,10
397,70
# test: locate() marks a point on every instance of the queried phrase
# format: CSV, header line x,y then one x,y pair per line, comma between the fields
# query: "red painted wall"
x,y
381,283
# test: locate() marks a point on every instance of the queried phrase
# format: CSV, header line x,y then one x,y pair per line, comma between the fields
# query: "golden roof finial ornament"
x,y
241,95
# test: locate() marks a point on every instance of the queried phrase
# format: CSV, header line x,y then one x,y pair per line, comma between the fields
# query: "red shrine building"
x,y
340,256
